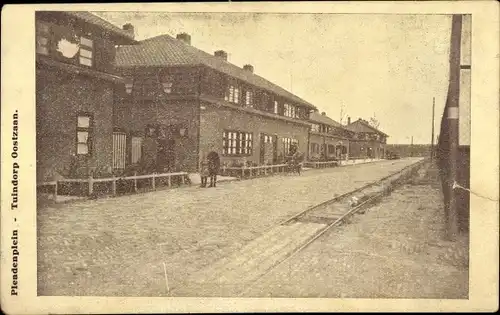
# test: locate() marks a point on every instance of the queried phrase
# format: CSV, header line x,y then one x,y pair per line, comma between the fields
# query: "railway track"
x,y
236,274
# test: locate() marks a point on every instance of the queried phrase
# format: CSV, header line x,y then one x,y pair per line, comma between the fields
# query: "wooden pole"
x,y
432,136
452,117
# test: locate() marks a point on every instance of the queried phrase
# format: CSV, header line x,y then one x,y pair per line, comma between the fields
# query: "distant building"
x,y
180,103
368,141
75,81
328,139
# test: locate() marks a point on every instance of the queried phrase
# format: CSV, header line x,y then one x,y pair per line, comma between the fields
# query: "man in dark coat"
x,y
213,167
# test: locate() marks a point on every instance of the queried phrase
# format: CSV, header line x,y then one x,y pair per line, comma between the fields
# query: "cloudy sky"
x,y
390,66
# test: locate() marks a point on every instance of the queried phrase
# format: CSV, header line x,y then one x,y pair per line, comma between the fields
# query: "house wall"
x,y
215,119
133,116
60,96
359,149
324,139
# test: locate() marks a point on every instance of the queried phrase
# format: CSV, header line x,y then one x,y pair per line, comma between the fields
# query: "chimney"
x,y
221,54
348,120
248,68
323,113
129,28
184,37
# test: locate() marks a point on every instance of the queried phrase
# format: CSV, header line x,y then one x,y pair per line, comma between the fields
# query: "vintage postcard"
x,y
250,157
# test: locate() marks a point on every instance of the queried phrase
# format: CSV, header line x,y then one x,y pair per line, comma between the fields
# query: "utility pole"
x,y
452,120
411,147
432,136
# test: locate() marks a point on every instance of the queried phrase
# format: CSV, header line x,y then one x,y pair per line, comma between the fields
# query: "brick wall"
x,y
215,119
326,140
59,98
359,149
134,116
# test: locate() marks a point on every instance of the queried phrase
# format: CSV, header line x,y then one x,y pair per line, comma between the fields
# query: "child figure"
x,y
204,171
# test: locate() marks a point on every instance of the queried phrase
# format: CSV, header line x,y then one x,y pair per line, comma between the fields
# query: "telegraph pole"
x,y
411,147
432,136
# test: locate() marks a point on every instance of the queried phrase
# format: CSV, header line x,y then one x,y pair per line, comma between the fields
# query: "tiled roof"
x,y
165,50
361,125
97,21
323,119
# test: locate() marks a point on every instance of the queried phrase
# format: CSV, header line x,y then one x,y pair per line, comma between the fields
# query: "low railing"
x,y
321,164
112,185
253,171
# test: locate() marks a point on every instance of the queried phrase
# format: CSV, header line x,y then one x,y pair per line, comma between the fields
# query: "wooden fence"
x,y
253,171
112,185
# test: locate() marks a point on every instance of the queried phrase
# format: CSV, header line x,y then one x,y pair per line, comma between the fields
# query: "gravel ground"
x,y
393,250
124,246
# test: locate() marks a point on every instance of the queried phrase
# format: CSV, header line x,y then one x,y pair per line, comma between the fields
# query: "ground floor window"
x,y
83,134
287,144
314,148
119,150
331,149
237,143
136,153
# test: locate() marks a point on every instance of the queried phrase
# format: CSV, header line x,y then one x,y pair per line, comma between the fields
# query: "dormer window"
x,y
86,48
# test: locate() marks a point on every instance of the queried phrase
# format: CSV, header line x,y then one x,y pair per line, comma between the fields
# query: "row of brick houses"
x,y
106,102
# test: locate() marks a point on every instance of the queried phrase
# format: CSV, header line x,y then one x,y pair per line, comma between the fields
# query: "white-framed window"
x,y
268,139
276,107
287,142
136,153
83,134
232,94
236,143
42,38
249,98
86,51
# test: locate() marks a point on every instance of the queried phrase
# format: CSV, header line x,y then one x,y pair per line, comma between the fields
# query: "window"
x,y
83,135
236,143
249,98
276,107
315,127
314,148
86,47
291,111
136,153
232,94
268,139
287,142
42,38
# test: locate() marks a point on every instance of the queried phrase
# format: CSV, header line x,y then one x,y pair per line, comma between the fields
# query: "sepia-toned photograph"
x,y
249,153
229,154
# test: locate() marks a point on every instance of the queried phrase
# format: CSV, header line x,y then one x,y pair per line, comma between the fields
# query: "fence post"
x,y
265,170
135,181
169,181
91,185
153,182
182,179
55,192
113,185
242,172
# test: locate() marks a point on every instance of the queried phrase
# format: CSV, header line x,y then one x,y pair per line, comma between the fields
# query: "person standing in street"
x,y
204,172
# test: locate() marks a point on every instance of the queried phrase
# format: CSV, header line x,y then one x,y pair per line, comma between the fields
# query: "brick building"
x,y
75,81
180,103
368,142
328,139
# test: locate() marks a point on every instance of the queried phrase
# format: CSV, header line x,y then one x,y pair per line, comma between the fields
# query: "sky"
x,y
387,66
